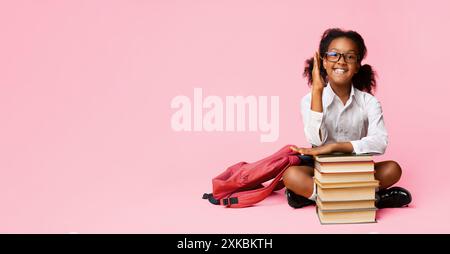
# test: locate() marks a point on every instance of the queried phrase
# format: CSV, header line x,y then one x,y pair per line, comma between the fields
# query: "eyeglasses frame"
x,y
340,55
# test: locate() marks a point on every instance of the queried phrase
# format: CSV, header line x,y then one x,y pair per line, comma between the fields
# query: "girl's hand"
x,y
317,81
324,149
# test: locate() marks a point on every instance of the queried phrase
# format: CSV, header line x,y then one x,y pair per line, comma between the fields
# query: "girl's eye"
x,y
332,53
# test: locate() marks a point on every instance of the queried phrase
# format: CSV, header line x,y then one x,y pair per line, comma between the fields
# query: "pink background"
x,y
86,143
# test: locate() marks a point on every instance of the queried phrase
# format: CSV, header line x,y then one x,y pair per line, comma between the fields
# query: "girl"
x,y
340,114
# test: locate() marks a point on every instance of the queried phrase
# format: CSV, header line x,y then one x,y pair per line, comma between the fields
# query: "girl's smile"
x,y
339,71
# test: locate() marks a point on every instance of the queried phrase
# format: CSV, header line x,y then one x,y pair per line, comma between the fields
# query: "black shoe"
x,y
393,197
297,201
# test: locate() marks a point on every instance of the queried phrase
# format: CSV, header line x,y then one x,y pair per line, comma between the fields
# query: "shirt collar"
x,y
329,95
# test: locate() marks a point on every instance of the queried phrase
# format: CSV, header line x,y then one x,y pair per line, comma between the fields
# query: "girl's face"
x,y
341,72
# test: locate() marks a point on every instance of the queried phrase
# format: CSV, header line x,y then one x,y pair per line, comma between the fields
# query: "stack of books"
x,y
346,188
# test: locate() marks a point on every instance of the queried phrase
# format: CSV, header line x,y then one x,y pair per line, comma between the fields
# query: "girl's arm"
x,y
316,103
313,112
341,147
376,140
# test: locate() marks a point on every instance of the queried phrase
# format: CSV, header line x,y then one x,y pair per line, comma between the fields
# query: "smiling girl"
x,y
340,114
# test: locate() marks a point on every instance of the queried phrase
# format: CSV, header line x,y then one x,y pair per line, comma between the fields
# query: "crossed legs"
x,y
299,178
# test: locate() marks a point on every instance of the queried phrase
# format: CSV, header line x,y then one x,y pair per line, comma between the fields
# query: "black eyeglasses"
x,y
335,57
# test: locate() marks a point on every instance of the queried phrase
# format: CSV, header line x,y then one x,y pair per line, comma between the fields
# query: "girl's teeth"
x,y
339,71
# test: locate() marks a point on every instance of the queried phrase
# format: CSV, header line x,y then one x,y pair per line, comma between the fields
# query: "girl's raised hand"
x,y
317,80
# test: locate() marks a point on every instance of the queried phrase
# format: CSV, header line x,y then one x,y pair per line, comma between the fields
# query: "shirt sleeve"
x,y
313,122
376,140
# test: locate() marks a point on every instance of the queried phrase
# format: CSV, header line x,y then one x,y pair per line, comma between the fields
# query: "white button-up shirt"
x,y
359,121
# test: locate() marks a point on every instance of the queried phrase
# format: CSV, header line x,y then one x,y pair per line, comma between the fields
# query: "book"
x,y
343,157
344,205
346,191
343,177
345,185
346,188
347,216
345,167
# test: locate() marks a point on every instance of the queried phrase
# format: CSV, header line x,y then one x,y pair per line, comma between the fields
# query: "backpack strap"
x,y
224,201
251,197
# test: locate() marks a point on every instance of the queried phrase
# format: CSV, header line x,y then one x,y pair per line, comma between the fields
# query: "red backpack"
x,y
241,184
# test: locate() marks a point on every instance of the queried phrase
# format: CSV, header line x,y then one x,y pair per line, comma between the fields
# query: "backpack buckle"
x,y
230,201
